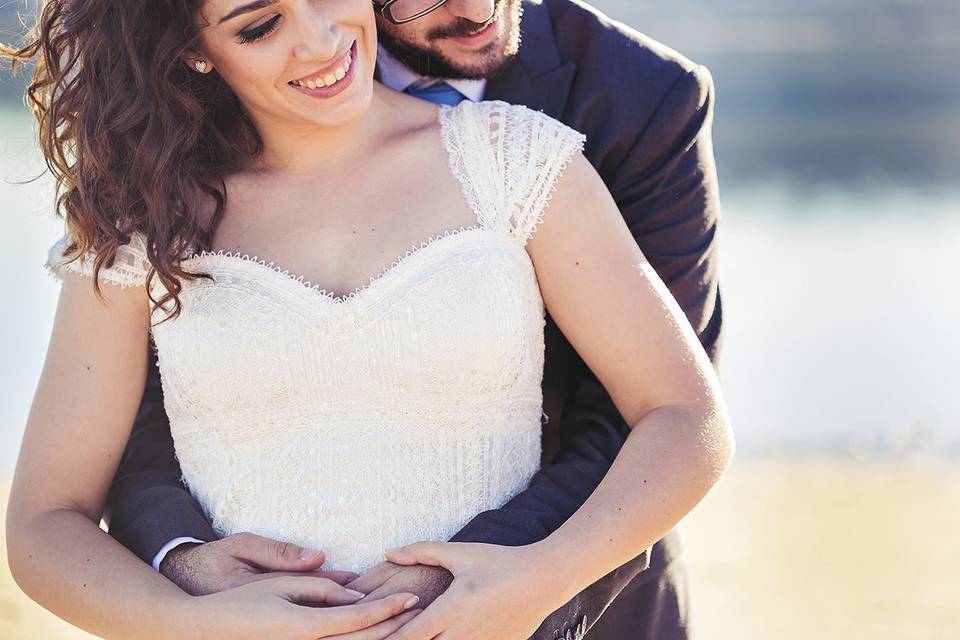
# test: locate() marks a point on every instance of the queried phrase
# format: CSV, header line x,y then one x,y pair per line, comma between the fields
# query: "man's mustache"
x,y
459,29
463,27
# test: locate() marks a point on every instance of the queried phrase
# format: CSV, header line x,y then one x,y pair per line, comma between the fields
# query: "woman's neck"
x,y
305,149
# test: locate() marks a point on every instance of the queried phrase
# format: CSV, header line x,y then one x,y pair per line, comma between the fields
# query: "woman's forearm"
x,y
70,566
670,460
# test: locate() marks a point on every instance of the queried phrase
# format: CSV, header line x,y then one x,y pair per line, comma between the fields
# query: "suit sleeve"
x,y
148,505
667,191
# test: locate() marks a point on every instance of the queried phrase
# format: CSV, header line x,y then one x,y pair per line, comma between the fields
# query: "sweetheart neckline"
x,y
345,298
444,125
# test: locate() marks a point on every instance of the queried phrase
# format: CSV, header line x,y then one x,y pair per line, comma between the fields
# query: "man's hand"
x,y
388,578
212,567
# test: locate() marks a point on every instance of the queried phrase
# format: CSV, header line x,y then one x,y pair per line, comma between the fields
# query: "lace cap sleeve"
x,y
536,150
130,266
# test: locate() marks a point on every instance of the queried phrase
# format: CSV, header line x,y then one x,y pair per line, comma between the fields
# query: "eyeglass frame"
x,y
384,10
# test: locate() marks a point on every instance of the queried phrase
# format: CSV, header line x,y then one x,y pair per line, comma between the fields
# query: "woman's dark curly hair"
x,y
137,142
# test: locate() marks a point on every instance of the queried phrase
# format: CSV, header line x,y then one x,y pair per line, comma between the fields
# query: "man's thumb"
x,y
276,555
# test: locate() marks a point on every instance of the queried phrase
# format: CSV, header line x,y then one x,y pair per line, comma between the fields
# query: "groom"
x,y
647,113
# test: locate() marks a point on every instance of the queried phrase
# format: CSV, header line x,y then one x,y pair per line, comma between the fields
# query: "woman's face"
x,y
299,61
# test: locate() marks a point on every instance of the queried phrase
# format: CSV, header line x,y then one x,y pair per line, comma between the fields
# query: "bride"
x,y
231,175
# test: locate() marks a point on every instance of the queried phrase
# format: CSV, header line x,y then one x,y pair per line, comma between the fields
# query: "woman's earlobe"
x,y
199,64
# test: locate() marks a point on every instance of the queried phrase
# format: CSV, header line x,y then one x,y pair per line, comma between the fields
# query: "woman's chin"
x,y
331,114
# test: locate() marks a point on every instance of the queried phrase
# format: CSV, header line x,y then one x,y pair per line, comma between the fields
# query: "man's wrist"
x,y
170,546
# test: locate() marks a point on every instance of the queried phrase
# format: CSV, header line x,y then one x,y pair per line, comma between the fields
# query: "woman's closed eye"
x,y
258,32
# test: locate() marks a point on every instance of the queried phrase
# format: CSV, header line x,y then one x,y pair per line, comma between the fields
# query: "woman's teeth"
x,y
330,79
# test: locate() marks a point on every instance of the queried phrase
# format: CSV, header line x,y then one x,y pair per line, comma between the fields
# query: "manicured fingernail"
x,y
358,594
310,555
412,601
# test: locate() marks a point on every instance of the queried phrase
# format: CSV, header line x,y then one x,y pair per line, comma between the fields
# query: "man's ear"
x,y
198,63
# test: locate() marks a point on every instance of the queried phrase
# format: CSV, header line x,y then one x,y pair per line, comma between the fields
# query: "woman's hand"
x,y
296,608
498,592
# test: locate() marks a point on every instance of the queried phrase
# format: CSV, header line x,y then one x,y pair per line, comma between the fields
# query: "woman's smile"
x,y
331,80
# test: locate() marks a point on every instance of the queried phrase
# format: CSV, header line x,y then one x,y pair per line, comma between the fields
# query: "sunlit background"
x,y
837,137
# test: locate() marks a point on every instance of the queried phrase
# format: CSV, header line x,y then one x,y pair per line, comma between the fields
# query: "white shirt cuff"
x,y
176,542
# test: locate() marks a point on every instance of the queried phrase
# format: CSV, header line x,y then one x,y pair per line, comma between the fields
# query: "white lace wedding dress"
x,y
387,416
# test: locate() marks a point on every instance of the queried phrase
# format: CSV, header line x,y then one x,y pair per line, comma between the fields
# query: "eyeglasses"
x,y
403,11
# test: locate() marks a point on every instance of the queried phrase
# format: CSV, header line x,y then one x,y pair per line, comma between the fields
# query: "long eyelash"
x,y
258,33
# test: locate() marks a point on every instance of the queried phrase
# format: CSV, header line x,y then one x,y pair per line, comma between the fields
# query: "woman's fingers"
x,y
432,553
434,621
340,577
341,620
380,630
311,591
374,577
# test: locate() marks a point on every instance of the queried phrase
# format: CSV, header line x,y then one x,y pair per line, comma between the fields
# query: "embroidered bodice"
x,y
393,414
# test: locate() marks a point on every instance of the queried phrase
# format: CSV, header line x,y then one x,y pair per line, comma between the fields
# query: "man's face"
x,y
471,39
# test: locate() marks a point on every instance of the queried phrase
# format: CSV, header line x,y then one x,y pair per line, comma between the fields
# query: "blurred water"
x,y
841,93
837,139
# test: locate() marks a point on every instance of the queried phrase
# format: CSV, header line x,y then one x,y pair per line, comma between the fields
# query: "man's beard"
x,y
427,62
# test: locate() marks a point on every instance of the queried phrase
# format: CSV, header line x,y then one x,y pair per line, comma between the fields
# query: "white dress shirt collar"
x,y
399,76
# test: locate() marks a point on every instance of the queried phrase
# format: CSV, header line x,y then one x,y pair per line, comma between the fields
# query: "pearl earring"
x,y
201,65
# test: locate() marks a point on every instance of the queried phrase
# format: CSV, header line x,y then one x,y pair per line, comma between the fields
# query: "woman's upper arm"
x,y
86,399
612,306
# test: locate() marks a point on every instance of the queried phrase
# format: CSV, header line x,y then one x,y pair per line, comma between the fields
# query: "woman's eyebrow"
x,y
247,8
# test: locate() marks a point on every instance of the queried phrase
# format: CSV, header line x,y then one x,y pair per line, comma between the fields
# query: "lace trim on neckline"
x,y
333,297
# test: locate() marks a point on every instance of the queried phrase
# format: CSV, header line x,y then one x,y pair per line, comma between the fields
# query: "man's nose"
x,y
474,10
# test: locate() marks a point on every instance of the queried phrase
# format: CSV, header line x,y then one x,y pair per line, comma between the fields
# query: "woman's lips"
x,y
340,83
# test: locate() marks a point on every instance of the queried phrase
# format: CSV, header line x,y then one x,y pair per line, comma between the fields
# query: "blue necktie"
x,y
439,93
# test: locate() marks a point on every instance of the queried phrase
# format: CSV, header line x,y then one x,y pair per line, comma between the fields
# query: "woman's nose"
x,y
318,39
473,10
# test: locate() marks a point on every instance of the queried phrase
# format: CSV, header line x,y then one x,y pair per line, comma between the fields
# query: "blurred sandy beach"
x,y
784,548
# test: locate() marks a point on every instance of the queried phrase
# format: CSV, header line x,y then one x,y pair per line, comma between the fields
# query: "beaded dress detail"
x,y
389,415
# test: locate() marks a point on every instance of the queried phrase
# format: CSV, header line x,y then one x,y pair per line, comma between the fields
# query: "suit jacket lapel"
x,y
537,77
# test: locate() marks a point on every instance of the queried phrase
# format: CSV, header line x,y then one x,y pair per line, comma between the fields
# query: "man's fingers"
x,y
380,630
334,620
274,554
